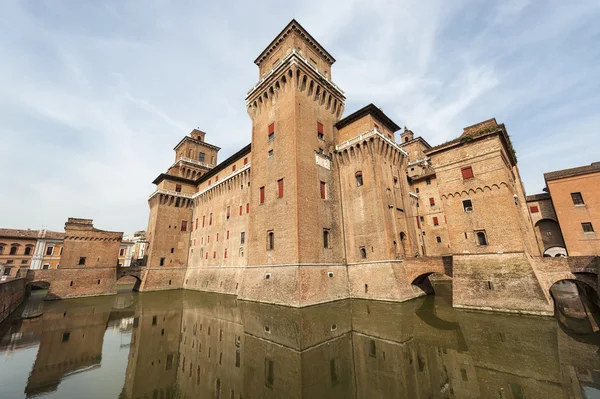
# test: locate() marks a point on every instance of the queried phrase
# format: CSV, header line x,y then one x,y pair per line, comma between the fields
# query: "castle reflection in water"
x,y
185,344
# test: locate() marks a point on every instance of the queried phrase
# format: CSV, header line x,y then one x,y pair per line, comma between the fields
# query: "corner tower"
x,y
295,210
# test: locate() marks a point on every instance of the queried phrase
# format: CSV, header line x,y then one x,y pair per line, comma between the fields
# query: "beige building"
x,y
320,207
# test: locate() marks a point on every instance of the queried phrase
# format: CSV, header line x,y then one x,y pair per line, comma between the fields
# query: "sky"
x,y
94,95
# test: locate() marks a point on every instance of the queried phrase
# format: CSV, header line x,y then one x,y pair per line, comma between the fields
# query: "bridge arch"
x,y
576,304
584,277
138,281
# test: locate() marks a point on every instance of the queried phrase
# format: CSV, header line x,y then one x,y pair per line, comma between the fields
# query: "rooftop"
x,y
33,234
538,197
581,170
370,109
291,27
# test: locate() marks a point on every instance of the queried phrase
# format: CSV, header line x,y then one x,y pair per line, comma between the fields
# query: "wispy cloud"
x,y
94,95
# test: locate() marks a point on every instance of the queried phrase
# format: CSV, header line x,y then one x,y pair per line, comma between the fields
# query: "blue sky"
x,y
95,94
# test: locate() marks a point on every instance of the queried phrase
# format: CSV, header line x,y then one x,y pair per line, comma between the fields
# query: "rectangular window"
x,y
269,373
178,188
196,223
203,220
428,181
241,210
534,209
227,235
121,251
262,195
201,157
467,173
233,168
587,227
248,208
431,201
438,239
228,212
577,199
435,221
49,250
270,240
326,239
214,254
359,178
184,225
246,161
271,131
467,205
81,261
323,190
242,238
162,261
395,181
210,219
270,153
320,134
280,188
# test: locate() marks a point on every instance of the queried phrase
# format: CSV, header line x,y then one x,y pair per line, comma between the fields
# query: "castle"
x,y
319,207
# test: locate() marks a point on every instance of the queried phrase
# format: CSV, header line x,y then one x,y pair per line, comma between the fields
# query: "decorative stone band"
x,y
170,192
193,161
217,183
293,56
418,161
365,136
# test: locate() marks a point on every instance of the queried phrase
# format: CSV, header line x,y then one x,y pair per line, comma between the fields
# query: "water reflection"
x,y
182,344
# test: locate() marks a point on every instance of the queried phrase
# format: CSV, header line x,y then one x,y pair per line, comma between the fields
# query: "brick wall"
x,y
12,294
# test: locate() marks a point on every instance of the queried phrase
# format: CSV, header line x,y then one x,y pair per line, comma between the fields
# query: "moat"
x,y
185,344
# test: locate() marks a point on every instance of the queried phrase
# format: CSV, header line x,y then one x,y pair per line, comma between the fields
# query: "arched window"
x,y
270,240
13,250
359,178
481,238
1,249
363,253
27,250
406,139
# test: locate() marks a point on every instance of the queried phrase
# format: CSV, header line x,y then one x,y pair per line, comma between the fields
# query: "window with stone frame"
x,y
270,240
587,227
481,238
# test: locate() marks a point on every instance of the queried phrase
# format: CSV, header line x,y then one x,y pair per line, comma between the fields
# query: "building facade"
x,y
320,207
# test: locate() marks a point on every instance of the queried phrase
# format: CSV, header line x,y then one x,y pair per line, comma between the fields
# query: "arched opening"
x,y
555,252
548,231
577,304
128,283
423,283
439,284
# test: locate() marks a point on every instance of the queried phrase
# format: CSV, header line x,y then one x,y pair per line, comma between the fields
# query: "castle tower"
x,y
170,220
295,210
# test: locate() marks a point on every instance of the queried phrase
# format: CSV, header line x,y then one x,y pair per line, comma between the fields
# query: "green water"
x,y
181,344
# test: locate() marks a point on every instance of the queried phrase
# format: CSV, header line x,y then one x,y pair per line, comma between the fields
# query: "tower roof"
x,y
291,27
372,110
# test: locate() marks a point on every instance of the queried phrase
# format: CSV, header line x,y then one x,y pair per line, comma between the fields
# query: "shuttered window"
x,y
280,188
467,173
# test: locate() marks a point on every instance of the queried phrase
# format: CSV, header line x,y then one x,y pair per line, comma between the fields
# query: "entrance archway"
x,y
548,230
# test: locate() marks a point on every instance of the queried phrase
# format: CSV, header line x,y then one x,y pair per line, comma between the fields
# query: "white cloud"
x,y
94,95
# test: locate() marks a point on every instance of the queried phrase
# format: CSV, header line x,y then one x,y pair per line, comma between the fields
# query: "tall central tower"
x,y
295,228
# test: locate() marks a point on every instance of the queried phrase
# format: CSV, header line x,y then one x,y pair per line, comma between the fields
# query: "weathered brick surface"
x,y
12,294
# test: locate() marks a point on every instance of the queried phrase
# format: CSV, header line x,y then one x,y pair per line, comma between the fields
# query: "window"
x,y
162,261
49,250
271,131
359,178
438,239
269,374
196,223
435,221
201,157
228,212
406,139
467,173
203,220
233,168
214,254
24,261
172,250
534,209
246,161
417,190
587,227
467,205
428,181
7,271
372,348
577,199
66,336
363,253
431,202
178,188
227,235
481,238
243,238
1,250
270,153
10,261
320,131
121,251
248,208
184,225
241,210
270,240
396,181
333,372
82,260
262,195
326,240
46,266
280,188
210,219
27,250
225,253
13,250
323,190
